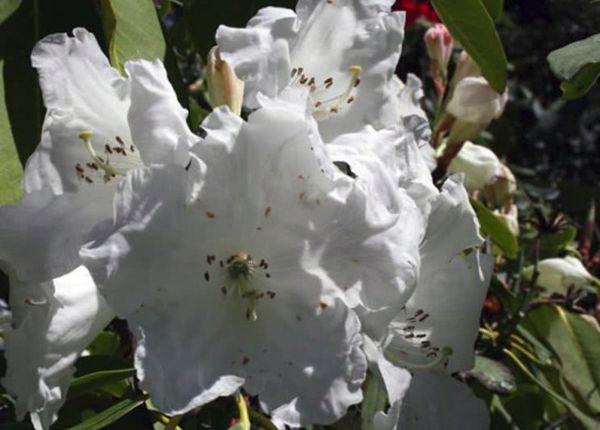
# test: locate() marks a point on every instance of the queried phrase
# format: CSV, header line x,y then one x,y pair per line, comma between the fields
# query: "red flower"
x,y
416,9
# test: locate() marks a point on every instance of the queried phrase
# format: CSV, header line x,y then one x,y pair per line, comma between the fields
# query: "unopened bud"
x,y
439,43
465,68
224,87
474,104
500,192
479,164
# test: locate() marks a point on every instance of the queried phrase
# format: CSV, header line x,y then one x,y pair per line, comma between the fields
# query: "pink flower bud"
x,y
439,45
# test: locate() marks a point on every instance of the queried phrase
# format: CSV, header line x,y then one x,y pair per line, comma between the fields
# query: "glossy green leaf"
x,y
132,30
493,375
498,232
375,399
473,27
110,415
582,82
566,62
494,8
576,342
578,64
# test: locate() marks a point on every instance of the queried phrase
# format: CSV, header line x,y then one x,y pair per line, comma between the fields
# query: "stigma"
x,y
243,274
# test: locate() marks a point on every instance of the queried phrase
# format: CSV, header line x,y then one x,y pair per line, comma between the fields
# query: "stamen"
x,y
111,170
325,106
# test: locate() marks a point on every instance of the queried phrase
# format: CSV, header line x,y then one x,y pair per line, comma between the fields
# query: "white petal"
x,y
452,297
413,118
41,235
272,194
54,322
157,120
325,40
82,92
452,227
259,53
389,153
445,307
438,402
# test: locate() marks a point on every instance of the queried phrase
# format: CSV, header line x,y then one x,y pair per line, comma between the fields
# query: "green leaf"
x,y
98,380
494,8
553,243
132,30
10,165
576,342
472,26
106,343
496,230
110,415
567,61
582,82
494,375
578,64
375,399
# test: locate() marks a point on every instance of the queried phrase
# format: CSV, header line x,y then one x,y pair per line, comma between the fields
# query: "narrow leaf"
x,y
471,24
97,380
498,232
494,8
110,415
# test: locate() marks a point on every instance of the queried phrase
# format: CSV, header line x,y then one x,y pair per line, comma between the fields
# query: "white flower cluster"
x,y
285,255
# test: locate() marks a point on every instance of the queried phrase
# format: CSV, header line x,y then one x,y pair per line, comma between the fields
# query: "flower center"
x,y
326,98
241,273
118,159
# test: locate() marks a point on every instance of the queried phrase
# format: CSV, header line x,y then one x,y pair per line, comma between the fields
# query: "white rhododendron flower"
x,y
99,125
436,330
439,324
343,52
226,270
557,274
53,323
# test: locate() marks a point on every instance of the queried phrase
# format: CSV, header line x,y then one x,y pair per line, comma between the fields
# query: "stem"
x,y
243,410
173,423
261,420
